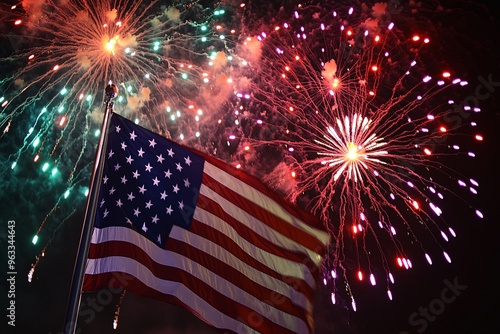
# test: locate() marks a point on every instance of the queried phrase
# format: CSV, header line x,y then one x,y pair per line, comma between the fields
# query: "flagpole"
x,y
92,201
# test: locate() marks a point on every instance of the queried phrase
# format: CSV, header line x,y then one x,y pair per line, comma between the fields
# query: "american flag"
x,y
188,229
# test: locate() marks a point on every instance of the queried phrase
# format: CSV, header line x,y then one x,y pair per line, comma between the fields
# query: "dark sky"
x,y
469,40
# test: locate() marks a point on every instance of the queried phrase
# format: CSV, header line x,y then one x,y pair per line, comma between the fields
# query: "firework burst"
x,y
364,132
167,60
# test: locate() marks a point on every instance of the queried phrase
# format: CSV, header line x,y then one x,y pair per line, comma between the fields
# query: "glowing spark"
x,y
428,258
447,257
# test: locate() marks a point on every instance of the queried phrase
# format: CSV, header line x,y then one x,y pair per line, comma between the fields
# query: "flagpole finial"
x,y
111,91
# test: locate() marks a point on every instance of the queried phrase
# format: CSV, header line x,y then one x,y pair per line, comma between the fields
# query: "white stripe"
x,y
206,311
261,200
220,284
253,274
281,265
257,226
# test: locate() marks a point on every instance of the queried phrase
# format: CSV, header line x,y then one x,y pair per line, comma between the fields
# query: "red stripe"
x,y
252,237
102,281
211,263
253,182
218,300
276,223
231,274
246,232
231,246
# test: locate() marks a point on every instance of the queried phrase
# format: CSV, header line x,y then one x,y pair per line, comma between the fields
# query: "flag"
x,y
188,229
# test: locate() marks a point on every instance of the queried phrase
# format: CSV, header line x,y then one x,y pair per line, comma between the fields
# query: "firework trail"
x,y
361,131
171,63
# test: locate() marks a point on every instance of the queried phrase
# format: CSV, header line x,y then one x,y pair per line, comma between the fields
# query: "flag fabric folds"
x,y
185,228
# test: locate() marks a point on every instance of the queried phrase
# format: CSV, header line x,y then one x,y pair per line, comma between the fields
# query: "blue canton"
x,y
149,182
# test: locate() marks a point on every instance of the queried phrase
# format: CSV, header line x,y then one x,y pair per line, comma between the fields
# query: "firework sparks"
x,y
352,149
365,133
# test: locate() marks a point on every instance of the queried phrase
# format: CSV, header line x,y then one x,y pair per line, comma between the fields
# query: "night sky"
x,y
469,41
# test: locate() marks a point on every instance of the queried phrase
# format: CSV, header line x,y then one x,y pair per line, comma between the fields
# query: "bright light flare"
x,y
110,45
372,280
352,151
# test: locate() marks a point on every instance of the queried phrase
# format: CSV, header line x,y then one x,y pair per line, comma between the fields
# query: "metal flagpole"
x,y
81,257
